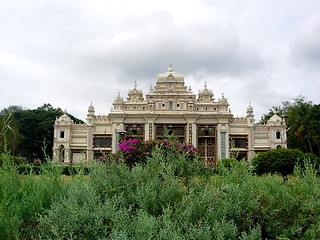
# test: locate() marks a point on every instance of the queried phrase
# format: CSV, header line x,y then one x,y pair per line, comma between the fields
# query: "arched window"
x,y
61,153
170,105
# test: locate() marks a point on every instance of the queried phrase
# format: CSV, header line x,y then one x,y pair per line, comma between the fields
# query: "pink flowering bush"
x,y
136,151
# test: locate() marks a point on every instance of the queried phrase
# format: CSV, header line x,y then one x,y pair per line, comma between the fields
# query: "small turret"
x,y
205,95
250,115
135,95
91,109
90,114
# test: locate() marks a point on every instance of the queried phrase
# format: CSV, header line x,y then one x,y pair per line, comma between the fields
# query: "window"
x,y
206,130
134,131
61,134
177,130
242,155
278,135
239,142
102,141
170,105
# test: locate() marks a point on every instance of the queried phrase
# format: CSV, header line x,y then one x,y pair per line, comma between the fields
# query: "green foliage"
x,y
135,151
9,157
29,133
23,198
158,199
278,160
65,170
228,162
303,121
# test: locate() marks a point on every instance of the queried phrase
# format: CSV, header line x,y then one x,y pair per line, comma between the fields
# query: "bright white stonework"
x,y
200,120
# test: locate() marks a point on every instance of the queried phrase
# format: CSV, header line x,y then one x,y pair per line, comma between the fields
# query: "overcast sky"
x,y
71,52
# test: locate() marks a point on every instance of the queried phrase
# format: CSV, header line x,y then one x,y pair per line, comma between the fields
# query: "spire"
x,y
250,115
91,108
205,85
135,85
249,108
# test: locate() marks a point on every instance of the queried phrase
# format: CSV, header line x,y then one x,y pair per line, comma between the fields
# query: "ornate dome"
x,y
135,95
205,95
64,119
205,92
275,119
223,99
170,76
135,90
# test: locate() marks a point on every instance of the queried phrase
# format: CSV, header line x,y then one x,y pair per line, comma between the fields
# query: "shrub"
x,y
23,198
7,157
278,160
136,151
163,198
227,162
312,159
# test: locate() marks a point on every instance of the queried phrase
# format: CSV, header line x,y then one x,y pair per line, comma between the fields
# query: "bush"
x,y
278,160
13,159
227,162
312,159
65,170
163,198
136,151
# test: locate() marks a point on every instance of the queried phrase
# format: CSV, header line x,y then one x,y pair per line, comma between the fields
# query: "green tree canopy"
x,y
303,121
32,130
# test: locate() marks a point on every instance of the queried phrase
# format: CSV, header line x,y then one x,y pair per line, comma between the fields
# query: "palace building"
x,y
203,120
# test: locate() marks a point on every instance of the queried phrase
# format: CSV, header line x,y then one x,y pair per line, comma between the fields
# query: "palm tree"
x,y
297,115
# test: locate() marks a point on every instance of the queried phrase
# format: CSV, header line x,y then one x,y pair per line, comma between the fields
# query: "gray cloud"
x,y
71,53
143,52
305,47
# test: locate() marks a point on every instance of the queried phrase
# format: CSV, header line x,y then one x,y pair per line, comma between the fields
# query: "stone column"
x,y
222,140
250,142
191,131
89,142
149,126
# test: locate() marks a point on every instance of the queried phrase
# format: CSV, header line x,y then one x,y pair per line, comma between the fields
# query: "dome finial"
x,y
170,68
135,85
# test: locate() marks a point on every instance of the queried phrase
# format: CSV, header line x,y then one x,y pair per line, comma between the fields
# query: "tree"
x,y
313,121
279,110
33,130
278,160
303,120
299,134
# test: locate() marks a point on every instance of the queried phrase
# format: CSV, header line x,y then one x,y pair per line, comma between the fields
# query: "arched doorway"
x,y
61,153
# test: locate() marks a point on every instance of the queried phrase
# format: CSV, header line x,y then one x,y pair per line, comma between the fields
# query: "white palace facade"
x,y
201,120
